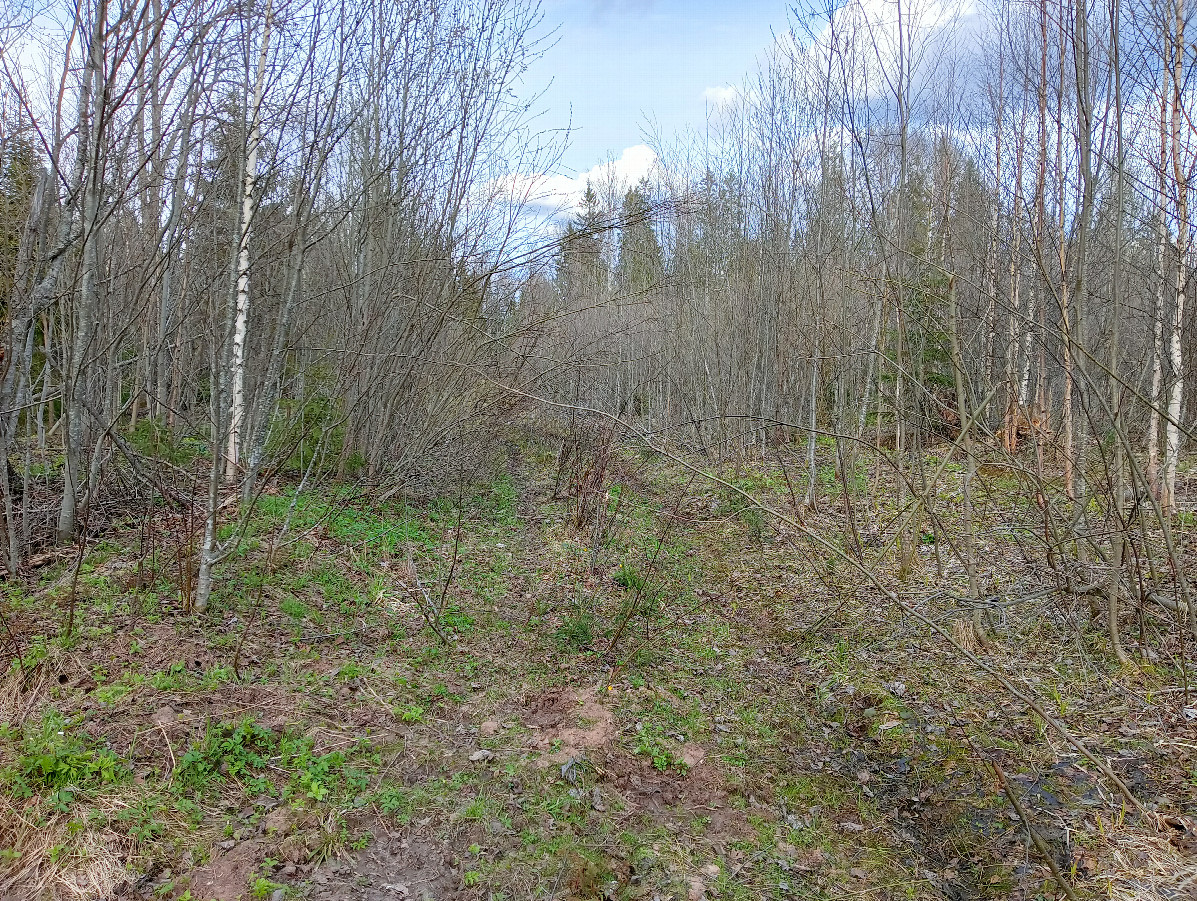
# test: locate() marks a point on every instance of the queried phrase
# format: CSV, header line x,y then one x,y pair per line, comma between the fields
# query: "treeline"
x,y
953,240
294,236
894,176
260,235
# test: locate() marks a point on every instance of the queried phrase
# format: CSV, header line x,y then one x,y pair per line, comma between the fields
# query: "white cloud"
x,y
554,194
720,95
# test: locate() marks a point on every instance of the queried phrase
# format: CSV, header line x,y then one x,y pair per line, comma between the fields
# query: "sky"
x,y
623,68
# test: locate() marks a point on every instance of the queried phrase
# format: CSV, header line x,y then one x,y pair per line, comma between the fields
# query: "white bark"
x,y
1157,345
241,320
1176,388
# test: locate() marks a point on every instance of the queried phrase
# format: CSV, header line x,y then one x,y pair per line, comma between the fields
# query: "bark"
x,y
248,208
1180,180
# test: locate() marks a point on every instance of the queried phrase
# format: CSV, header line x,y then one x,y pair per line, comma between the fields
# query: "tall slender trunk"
x,y
1157,344
1084,118
995,223
1180,176
1118,526
75,389
248,204
1066,424
810,438
1015,274
970,466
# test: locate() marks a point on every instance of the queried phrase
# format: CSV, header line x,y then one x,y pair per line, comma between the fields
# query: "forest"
x,y
811,518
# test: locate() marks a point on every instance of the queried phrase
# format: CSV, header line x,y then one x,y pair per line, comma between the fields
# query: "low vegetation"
x,y
480,697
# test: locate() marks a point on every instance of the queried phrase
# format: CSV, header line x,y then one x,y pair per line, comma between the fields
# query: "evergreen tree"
x,y
641,264
18,172
581,269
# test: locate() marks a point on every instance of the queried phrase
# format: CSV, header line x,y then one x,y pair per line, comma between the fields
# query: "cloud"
x,y
721,95
562,194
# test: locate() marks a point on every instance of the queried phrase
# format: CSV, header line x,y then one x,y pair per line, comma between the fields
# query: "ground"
x,y
552,685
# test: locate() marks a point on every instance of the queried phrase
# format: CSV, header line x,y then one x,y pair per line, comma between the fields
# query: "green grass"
x,y
257,758
57,761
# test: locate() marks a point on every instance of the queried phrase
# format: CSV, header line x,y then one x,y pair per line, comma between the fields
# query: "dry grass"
x,y
1143,865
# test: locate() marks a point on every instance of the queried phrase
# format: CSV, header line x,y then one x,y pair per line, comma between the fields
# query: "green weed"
x,y
576,633
53,758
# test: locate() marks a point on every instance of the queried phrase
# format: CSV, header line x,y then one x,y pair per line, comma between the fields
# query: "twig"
x,y
1040,844
169,749
440,608
839,553
245,632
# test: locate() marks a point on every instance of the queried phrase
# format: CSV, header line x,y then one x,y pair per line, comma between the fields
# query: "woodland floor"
x,y
767,726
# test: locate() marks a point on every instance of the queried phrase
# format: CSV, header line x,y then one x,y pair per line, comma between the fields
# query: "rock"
x,y
277,820
164,716
227,845
481,755
857,873
597,803
711,871
289,870
278,894
489,729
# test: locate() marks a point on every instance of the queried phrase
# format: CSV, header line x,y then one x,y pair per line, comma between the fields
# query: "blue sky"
x,y
619,65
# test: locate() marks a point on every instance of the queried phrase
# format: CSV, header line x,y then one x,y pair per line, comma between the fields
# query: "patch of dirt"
x,y
669,797
574,718
226,876
392,868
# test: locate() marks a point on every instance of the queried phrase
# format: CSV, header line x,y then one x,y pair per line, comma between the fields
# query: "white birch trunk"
x,y
1176,389
241,320
1157,345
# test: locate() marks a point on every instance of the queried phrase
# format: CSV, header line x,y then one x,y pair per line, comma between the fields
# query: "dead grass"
x,y
764,714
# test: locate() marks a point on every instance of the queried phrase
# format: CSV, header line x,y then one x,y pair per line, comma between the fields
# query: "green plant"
x,y
171,680
650,742
143,819
456,619
264,888
396,801
412,713
114,691
154,439
227,750
629,577
253,754
576,633
55,759
294,608
472,878
351,671
754,521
